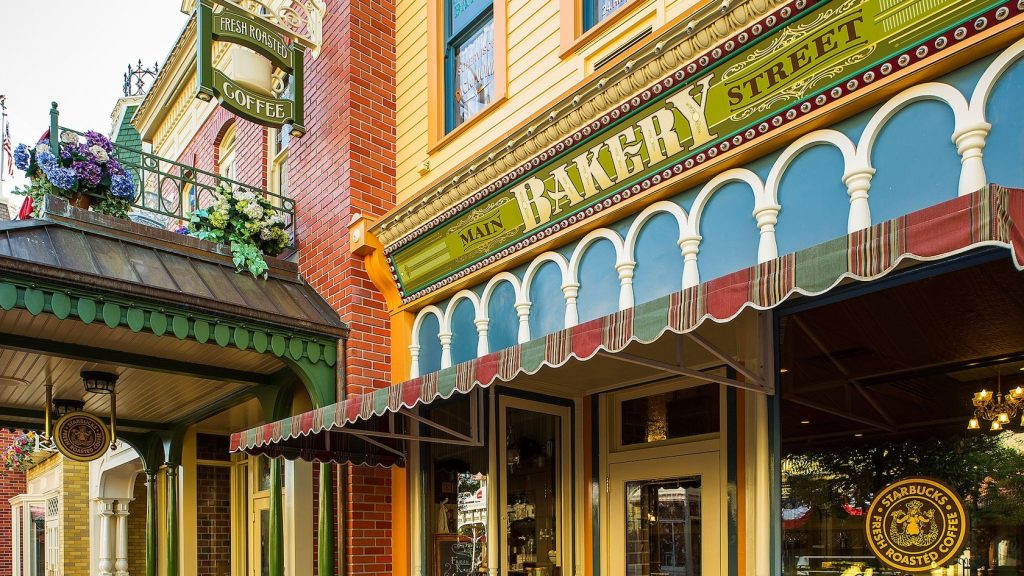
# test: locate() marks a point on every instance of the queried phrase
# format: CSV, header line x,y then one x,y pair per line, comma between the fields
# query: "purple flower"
x,y
96,139
122,186
114,167
183,230
88,172
22,157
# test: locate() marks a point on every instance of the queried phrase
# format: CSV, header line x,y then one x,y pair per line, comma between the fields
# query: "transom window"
x,y
469,59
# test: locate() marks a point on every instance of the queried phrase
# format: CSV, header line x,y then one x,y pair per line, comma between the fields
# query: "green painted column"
x,y
325,538
276,552
151,523
173,553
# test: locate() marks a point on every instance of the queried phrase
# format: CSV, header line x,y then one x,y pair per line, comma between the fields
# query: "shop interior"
x,y
918,375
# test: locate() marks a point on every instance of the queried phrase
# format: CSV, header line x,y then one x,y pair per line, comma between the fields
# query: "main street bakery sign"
x,y
802,57
236,26
916,525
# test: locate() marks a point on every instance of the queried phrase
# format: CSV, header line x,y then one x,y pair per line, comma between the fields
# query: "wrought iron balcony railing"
x,y
167,192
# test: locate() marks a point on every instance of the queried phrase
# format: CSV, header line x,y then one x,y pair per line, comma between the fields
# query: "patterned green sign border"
x,y
981,16
241,101
161,321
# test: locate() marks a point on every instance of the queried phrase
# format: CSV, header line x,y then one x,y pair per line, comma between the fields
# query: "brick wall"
x,y
213,517
137,528
250,148
11,484
75,512
368,520
343,166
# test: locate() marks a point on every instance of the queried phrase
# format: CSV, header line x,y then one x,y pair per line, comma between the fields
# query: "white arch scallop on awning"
x,y
991,217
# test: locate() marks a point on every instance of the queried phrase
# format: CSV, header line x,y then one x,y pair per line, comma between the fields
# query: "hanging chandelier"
x,y
997,407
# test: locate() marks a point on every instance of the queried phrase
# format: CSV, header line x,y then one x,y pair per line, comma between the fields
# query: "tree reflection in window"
x,y
826,490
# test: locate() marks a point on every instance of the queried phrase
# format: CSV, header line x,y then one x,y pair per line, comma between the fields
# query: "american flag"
x,y
8,151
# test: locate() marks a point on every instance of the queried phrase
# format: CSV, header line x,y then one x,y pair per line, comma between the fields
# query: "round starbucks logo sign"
x,y
81,436
916,525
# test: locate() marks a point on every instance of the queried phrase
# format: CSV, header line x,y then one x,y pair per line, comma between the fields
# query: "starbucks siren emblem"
x,y
916,525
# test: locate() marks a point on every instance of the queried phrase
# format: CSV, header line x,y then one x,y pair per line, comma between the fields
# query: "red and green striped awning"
x,y
991,217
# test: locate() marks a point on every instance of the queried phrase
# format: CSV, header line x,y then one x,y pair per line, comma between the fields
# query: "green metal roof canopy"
x,y
92,269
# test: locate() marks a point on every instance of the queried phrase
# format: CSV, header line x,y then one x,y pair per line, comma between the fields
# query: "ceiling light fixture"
x,y
99,382
997,407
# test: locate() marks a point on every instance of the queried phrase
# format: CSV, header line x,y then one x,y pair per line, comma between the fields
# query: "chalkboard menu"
x,y
453,555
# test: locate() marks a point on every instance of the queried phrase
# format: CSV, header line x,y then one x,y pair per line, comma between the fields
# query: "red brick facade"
x,y
11,485
344,166
213,517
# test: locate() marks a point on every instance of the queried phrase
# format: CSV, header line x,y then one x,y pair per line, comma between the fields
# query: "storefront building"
x,y
194,349
697,288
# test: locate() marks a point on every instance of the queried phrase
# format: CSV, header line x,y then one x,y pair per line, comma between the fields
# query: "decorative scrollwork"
x,y
302,18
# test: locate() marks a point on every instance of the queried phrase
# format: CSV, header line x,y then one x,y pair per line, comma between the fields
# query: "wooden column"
x,y
276,552
173,551
325,533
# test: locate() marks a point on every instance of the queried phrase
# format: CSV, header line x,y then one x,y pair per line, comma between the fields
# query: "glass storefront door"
x,y
536,538
665,516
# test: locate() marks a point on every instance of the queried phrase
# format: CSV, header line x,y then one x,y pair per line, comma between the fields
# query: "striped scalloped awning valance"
x,y
990,217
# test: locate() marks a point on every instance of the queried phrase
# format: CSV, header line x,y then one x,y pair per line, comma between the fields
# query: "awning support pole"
x,y
738,366
381,445
445,429
276,552
673,369
325,534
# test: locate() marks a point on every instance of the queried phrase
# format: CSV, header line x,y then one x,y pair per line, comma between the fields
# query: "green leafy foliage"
x,y
247,223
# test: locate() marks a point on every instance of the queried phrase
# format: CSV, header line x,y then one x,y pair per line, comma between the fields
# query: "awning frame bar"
x,y
473,439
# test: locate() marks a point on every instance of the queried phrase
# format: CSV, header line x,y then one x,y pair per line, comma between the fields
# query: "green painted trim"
x,y
232,25
204,51
151,531
276,538
173,551
325,533
183,324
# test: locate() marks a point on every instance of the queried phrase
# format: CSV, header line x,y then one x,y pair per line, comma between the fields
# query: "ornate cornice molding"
x,y
647,66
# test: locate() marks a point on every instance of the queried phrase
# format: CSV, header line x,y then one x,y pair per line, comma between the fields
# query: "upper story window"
x,y
279,138
226,154
595,11
469,59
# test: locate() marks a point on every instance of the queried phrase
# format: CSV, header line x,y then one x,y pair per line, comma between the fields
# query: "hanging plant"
x,y
19,453
246,222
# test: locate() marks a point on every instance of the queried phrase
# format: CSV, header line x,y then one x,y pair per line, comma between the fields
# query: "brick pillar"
x,y
12,483
344,166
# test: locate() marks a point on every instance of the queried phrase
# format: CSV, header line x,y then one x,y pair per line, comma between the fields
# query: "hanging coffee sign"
x,y
916,525
242,96
81,436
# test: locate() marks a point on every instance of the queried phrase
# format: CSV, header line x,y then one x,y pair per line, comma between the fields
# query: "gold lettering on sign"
x,y
649,141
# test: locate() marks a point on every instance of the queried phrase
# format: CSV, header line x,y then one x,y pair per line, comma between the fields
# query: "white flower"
x,y
243,195
98,152
68,137
253,210
42,147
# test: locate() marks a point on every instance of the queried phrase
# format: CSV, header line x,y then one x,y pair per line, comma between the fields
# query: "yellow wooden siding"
x,y
539,71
